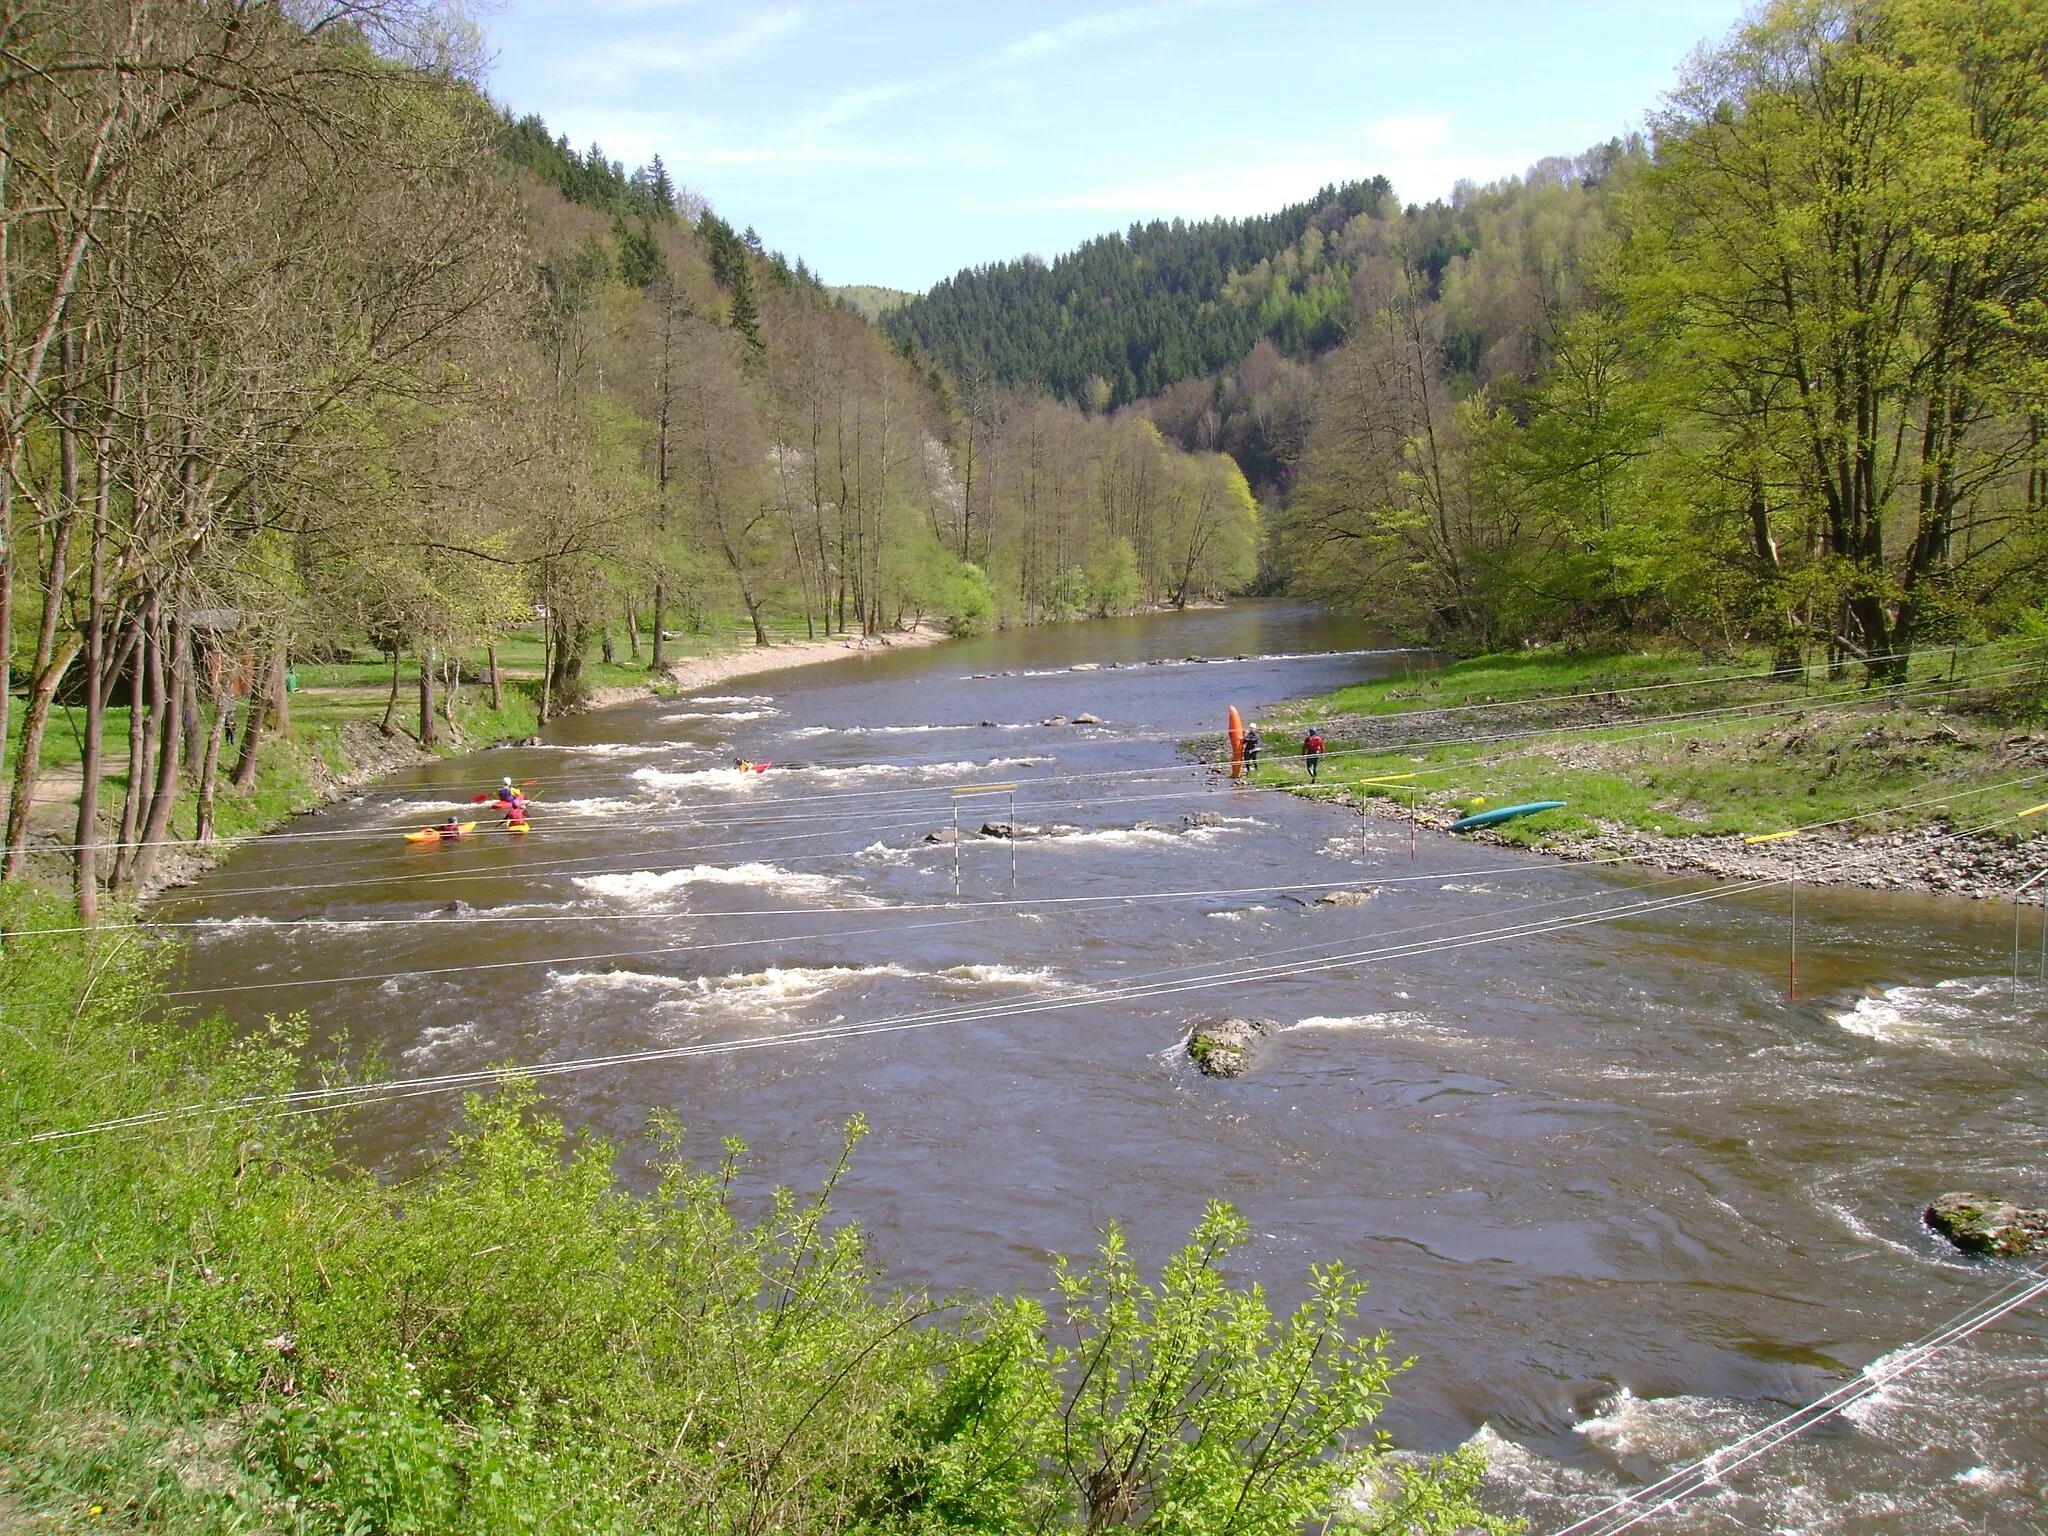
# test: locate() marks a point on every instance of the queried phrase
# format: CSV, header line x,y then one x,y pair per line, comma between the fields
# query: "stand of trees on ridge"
x,y
309,346
1775,376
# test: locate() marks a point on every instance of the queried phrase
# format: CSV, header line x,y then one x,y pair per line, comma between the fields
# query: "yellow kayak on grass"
x,y
436,835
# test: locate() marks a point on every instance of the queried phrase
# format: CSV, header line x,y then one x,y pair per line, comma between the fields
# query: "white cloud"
x,y
1408,135
686,53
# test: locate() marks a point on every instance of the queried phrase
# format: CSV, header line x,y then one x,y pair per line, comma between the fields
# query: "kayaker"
x,y
515,814
508,794
1251,748
451,828
1312,753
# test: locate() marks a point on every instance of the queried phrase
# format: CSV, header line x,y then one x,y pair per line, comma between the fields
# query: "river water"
x,y
1622,1200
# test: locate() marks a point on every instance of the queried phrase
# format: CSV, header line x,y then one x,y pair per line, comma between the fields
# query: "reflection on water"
x,y
1622,1200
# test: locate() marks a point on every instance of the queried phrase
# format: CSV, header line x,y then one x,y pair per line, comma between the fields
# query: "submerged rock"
x,y
1054,720
1086,719
1223,1047
942,835
1202,819
1986,1224
1345,898
1010,829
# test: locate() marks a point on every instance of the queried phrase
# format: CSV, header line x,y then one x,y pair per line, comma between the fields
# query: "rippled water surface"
x,y
1622,1199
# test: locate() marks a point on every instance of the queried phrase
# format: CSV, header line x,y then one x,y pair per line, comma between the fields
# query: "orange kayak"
x,y
436,835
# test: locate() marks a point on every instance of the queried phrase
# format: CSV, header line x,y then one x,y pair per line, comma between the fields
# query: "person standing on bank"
x,y
1312,754
1251,748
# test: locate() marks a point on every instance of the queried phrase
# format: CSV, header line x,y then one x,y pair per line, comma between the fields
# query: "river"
x,y
1621,1198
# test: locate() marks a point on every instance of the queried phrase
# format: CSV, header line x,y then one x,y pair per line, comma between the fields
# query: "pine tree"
x,y
661,188
745,315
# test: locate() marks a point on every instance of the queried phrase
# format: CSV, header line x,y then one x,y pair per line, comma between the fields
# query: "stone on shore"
x,y
1985,1224
1224,1047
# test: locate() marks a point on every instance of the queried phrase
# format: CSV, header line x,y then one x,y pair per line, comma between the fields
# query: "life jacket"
x,y
1314,742
515,813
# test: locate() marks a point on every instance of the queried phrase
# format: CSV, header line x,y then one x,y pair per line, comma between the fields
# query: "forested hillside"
x,y
309,348
1774,377
1126,315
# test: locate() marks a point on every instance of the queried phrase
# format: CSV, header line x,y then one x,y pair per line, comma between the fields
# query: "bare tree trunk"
x,y
170,739
281,691
145,715
6,608
209,766
632,630
451,698
428,738
657,659
85,861
51,657
547,667
387,725
266,688
190,717
497,679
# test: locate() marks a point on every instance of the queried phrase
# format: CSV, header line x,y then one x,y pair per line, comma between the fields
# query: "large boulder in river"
x,y
1223,1047
1986,1224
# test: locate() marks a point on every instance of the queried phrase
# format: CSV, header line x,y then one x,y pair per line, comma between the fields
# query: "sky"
x,y
897,141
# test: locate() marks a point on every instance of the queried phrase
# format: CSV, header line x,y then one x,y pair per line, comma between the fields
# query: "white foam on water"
x,y
589,805
720,714
705,778
882,853
1232,914
644,887
605,748
878,730
1115,837
617,981
436,1039
833,774
1943,1017
1001,975
779,986
730,698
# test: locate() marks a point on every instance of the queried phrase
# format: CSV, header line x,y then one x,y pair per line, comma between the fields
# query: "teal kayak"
x,y
1505,813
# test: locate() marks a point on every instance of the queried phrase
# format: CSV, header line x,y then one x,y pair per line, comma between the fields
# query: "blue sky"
x,y
896,141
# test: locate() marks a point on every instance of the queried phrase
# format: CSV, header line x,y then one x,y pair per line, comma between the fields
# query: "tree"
x,y
1852,199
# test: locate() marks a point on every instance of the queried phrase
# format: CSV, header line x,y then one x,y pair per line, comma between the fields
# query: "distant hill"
x,y
871,302
1124,316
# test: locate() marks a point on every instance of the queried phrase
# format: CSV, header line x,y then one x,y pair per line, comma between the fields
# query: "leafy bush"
x,y
209,1323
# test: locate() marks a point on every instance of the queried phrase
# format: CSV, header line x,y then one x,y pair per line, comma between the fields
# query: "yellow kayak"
x,y
436,835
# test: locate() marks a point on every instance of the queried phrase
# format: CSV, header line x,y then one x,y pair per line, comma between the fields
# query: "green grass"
x,y
335,693
217,1325
1803,751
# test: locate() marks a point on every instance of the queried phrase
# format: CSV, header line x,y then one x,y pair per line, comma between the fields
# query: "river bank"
x,y
1663,762
335,745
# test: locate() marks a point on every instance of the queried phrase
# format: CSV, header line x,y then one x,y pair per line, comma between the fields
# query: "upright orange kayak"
x,y
1236,743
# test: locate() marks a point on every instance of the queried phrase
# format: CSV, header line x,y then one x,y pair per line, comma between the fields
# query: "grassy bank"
x,y
332,737
1662,747
210,1324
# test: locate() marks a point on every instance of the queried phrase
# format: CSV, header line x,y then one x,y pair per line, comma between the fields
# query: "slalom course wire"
x,y
354,1095
1235,975
1628,1512
1754,709
583,864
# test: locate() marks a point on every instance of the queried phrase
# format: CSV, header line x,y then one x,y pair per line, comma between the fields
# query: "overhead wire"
x,y
1844,693
353,1095
583,863
1643,1504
